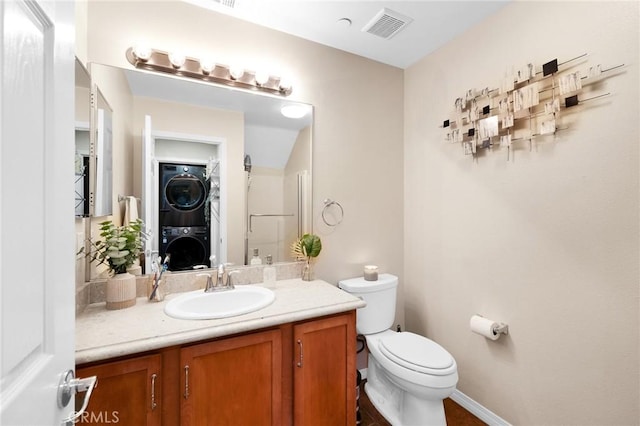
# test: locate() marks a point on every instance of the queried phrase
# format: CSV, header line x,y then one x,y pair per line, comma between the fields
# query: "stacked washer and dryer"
x,y
184,226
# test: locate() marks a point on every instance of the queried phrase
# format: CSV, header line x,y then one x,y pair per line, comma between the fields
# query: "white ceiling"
x,y
434,23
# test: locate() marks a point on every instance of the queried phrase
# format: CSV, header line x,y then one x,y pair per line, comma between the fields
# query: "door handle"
x,y
69,386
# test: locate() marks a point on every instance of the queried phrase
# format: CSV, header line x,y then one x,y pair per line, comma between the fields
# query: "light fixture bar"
x,y
157,60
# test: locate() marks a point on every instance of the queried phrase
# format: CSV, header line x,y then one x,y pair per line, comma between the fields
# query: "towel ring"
x,y
328,203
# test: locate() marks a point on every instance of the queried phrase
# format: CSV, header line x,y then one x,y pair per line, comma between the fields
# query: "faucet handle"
x,y
209,286
229,283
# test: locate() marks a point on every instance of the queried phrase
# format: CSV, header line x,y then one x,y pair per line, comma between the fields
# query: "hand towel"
x,y
130,209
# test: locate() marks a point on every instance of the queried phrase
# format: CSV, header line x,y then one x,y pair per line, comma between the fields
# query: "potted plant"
x,y
119,248
306,248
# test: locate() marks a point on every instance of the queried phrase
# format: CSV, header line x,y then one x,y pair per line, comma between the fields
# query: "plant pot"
x,y
121,291
135,269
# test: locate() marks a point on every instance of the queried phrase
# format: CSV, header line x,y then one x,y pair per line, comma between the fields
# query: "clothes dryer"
x,y
183,195
189,247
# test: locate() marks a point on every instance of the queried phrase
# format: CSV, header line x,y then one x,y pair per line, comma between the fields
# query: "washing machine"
x,y
188,246
183,195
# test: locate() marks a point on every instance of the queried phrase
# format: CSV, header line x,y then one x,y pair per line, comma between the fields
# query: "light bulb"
x,y
285,84
177,59
207,65
262,77
142,52
236,72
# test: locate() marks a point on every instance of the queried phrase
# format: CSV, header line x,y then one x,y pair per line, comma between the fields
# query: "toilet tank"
x,y
380,296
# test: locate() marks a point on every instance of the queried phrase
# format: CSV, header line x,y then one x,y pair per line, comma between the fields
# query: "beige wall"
x,y
299,157
357,121
83,106
81,30
547,242
299,165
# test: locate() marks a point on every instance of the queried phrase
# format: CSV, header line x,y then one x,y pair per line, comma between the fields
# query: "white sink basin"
x,y
219,304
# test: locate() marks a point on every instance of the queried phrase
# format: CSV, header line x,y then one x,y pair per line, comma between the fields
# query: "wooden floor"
x,y
456,415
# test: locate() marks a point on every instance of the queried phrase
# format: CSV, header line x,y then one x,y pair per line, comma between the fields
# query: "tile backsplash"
x,y
177,282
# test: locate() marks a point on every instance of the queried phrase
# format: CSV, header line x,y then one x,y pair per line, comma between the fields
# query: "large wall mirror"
x,y
217,173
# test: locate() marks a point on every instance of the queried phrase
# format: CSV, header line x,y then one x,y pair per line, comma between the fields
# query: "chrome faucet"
x,y
223,281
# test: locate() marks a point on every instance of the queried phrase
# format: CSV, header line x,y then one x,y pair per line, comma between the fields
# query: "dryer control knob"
x,y
185,230
185,168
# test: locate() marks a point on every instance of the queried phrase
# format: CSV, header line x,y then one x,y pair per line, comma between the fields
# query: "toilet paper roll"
x,y
484,327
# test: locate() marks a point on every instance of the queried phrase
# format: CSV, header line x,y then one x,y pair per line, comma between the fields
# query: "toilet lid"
x,y
417,353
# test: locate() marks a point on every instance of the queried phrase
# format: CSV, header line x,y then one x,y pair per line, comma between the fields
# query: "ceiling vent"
x,y
387,23
228,3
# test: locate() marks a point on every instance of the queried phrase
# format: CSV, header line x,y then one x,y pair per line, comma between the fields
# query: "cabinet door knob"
x,y
301,356
186,382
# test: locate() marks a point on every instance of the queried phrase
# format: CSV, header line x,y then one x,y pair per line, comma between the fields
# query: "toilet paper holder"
x,y
488,328
501,328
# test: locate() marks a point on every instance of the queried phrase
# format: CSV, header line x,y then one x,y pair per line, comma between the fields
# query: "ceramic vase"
x,y
121,291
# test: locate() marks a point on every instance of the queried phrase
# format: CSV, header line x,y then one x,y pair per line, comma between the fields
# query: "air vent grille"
x,y
228,3
387,23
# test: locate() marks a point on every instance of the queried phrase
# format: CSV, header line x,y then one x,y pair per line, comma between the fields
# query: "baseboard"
x,y
484,414
478,410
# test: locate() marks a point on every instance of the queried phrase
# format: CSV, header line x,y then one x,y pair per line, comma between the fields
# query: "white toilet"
x,y
408,375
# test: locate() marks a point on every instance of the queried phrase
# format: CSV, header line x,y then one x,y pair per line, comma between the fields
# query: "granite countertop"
x,y
103,334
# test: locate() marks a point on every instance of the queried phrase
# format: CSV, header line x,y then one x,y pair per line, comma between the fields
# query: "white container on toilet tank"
x,y
408,375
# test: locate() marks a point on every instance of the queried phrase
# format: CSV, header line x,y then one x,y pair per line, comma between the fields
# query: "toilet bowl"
x,y
408,375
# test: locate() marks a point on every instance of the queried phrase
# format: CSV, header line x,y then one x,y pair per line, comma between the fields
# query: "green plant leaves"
x,y
120,246
308,246
311,245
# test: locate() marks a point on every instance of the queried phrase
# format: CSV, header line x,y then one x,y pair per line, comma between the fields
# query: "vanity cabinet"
x,y
324,378
128,392
234,381
299,373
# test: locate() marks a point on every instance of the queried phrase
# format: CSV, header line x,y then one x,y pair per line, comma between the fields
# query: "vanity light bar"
x,y
184,66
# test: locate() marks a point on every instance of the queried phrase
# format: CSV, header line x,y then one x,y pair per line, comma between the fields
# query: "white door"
x,y
37,298
149,195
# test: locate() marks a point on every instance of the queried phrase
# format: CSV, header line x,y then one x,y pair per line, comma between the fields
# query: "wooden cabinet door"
x,y
128,392
325,371
234,381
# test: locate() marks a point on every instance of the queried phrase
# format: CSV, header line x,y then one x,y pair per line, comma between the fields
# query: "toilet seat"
x,y
417,353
